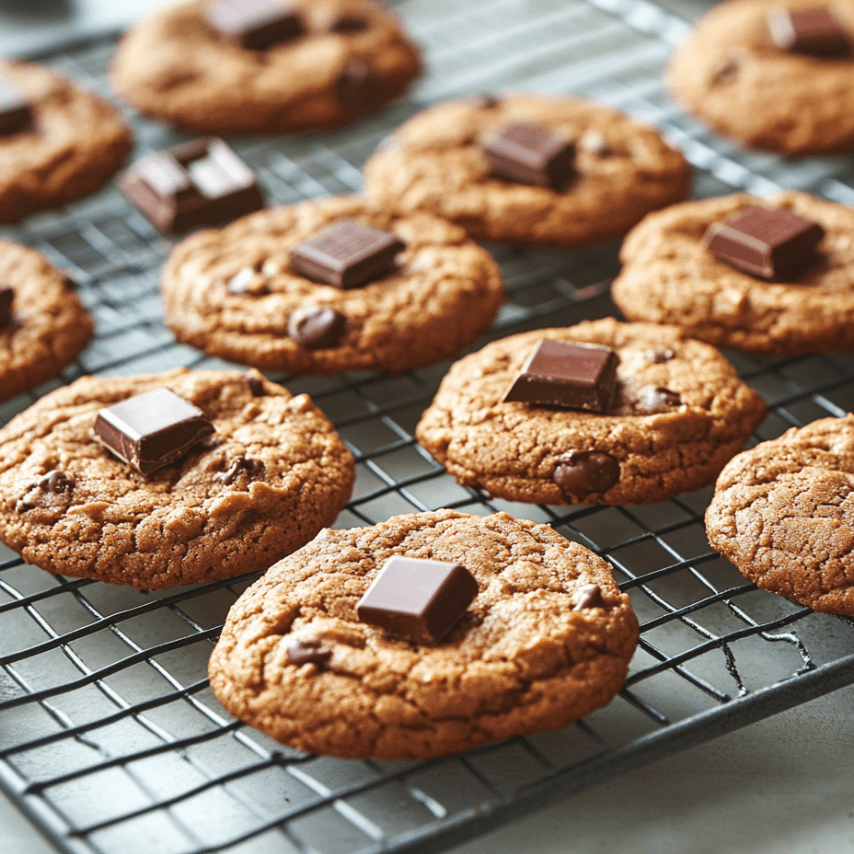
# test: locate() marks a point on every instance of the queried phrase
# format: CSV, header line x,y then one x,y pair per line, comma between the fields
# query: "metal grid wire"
x,y
109,735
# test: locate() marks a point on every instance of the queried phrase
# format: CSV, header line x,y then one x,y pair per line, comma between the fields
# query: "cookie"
x,y
342,59
235,293
68,143
732,76
669,276
678,413
783,513
269,477
546,640
436,163
43,324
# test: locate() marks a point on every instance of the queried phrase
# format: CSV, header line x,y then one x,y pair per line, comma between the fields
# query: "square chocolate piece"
x,y
15,112
770,244
531,155
571,376
199,183
347,256
6,297
420,600
255,24
151,430
816,32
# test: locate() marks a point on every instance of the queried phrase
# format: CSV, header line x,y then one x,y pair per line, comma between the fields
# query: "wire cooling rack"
x,y
110,738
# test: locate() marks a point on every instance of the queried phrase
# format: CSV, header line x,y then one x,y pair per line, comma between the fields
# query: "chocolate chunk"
x,y
151,430
7,294
570,376
315,326
256,383
254,24
658,356
15,112
251,468
585,472
309,651
726,73
770,244
420,600
346,256
348,22
658,399
358,84
816,32
53,483
531,155
199,183
589,596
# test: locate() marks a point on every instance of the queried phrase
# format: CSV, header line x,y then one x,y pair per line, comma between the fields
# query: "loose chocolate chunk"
x,y
348,22
770,244
358,83
659,356
255,383
816,32
309,651
585,472
252,469
199,183
531,155
346,256
315,326
420,600
589,596
570,376
254,24
151,430
6,297
15,112
658,399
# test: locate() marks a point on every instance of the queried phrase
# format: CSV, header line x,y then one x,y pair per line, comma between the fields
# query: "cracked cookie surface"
x,y
443,292
669,276
49,326
783,513
173,66
434,163
521,660
199,519
661,445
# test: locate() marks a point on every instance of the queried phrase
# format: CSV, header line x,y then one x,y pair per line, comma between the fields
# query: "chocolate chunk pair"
x,y
15,112
815,32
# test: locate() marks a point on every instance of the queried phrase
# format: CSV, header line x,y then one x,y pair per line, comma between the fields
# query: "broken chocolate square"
x,y
151,430
531,155
770,244
15,112
420,600
571,376
347,256
255,24
6,297
816,32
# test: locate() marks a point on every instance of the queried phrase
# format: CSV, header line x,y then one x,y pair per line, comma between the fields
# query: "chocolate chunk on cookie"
x,y
535,649
529,169
429,290
276,474
670,427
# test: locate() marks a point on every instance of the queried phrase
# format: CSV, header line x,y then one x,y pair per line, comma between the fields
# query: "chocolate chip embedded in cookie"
x,y
529,169
331,286
546,638
268,66
670,426
783,513
276,474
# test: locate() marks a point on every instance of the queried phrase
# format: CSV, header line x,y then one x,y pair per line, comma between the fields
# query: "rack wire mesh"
x,y
109,735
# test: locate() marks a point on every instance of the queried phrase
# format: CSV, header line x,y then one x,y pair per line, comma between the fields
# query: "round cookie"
x,y
353,58
49,326
434,163
270,477
669,276
534,651
732,77
678,414
74,144
442,294
783,513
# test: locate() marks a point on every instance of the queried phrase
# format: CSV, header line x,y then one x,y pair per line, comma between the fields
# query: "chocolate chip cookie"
x,y
243,292
498,167
201,66
546,640
43,324
670,276
785,97
678,412
267,477
783,513
58,141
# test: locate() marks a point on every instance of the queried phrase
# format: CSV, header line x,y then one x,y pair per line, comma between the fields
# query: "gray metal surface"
x,y
109,735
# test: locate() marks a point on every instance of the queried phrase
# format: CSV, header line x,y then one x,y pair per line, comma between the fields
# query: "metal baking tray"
x,y
110,739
